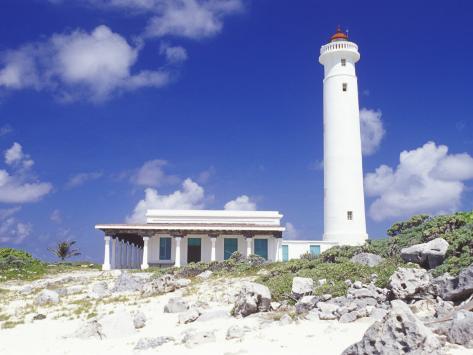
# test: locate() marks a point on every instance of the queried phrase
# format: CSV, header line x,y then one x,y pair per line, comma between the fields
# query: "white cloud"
x,y
12,230
191,18
77,65
152,174
82,178
174,54
426,180
190,196
291,232
372,130
20,186
206,175
56,216
241,203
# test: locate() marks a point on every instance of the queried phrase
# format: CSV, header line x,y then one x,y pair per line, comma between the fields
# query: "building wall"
x,y
206,248
298,247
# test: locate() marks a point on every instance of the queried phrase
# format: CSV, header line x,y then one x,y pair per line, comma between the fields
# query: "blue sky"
x,y
119,105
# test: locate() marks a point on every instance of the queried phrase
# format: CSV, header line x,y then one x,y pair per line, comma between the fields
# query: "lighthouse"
x,y
344,206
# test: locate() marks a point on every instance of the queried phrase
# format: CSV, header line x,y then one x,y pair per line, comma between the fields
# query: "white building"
x,y
171,237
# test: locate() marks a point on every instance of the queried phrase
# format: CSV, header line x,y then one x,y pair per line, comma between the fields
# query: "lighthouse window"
x,y
350,215
344,87
344,62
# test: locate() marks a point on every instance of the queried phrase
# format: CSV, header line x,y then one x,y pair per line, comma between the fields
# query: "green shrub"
x,y
17,264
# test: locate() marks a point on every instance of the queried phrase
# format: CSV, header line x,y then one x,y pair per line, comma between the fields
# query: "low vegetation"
x,y
17,264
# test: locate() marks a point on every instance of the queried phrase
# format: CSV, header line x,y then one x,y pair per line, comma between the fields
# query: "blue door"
x,y
261,248
164,248
285,252
193,250
315,249
230,245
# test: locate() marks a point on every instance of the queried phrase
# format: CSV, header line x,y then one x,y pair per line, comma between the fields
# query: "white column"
x,y
177,258
144,263
213,239
106,259
114,251
249,240
132,256
277,249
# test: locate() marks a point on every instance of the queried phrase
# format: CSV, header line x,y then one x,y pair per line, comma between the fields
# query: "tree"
x,y
64,250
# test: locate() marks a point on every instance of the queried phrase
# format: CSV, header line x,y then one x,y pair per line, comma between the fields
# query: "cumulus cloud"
x,y
190,196
174,54
20,185
12,230
193,19
5,129
426,180
291,232
82,178
372,130
241,203
152,174
77,65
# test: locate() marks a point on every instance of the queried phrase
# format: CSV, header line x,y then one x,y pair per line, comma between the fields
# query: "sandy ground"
x,y
266,335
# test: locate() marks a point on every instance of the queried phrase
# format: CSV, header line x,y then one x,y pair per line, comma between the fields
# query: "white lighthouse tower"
x,y
344,205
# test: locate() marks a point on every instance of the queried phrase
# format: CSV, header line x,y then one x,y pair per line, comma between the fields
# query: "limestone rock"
x,y
306,303
98,290
455,288
461,330
139,320
302,286
252,298
176,305
367,259
188,316
236,332
408,283
91,329
162,284
327,311
126,283
183,283
430,254
285,319
348,317
205,275
192,337
399,332
151,343
46,297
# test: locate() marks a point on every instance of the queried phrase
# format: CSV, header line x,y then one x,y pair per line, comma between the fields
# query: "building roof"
x,y
339,36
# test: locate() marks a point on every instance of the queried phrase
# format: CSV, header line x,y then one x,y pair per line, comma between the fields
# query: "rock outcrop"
x,y
302,286
252,298
429,255
461,329
455,288
399,332
176,305
408,284
46,297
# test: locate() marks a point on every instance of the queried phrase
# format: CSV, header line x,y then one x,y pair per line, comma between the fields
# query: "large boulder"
x,y
399,332
306,303
176,305
302,286
162,284
461,329
429,255
46,297
126,283
408,283
367,259
455,288
192,337
252,298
